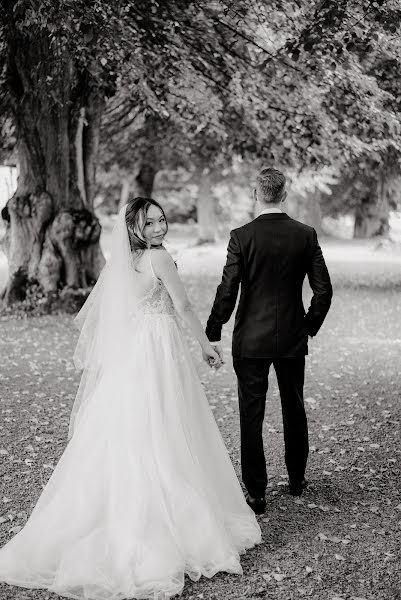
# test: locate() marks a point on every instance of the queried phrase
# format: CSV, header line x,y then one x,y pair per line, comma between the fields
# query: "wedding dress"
x,y
145,491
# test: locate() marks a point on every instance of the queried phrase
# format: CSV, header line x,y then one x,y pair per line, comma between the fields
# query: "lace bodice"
x,y
158,301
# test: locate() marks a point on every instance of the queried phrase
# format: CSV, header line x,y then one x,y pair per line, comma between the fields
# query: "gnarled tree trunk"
x,y
52,234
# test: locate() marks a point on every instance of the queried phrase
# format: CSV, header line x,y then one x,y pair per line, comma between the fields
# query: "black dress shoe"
x,y
258,505
296,489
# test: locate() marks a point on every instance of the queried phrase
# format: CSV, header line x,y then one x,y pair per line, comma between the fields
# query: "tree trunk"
x,y
52,234
294,205
373,213
124,194
307,209
314,211
205,208
46,243
144,181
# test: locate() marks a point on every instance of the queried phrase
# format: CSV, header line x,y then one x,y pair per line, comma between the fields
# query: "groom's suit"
x,y
270,257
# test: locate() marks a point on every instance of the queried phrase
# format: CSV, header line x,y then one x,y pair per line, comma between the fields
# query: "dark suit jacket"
x,y
270,257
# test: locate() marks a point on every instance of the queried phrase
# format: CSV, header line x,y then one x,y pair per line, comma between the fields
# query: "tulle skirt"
x,y
144,492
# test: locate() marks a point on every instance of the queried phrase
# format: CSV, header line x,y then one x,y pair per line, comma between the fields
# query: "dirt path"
x,y
342,539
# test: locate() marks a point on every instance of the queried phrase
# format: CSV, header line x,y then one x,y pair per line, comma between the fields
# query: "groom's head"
x,y
270,187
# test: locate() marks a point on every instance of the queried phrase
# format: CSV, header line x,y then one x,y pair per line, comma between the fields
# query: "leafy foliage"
x,y
304,85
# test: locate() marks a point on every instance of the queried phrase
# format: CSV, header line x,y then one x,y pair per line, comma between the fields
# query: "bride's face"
x,y
155,226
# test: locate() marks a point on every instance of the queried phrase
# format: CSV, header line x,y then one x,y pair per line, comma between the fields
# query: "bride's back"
x,y
143,273
150,292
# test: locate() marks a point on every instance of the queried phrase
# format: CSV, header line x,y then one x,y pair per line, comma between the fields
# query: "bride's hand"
x,y
211,357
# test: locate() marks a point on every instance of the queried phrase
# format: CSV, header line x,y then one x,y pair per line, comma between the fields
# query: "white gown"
x,y
145,491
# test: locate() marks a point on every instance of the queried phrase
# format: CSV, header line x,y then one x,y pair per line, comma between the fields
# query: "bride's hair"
x,y
135,219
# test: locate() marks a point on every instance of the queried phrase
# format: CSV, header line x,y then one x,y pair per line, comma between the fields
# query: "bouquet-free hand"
x,y
213,356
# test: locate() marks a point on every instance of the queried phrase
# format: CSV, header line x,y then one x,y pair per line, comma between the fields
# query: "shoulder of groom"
x,y
237,230
302,226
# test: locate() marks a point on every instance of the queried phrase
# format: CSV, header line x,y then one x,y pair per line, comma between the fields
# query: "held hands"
x,y
213,356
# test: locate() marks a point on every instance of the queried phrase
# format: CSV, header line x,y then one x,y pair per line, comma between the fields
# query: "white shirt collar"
x,y
266,211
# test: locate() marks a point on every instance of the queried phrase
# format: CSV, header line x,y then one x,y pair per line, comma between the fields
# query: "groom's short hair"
x,y
270,184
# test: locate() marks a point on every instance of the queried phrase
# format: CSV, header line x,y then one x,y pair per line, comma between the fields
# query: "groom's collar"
x,y
271,216
272,210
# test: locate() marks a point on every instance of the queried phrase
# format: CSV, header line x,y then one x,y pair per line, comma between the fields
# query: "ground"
x,y
341,539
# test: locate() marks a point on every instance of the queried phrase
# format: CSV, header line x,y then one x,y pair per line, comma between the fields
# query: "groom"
x,y
270,257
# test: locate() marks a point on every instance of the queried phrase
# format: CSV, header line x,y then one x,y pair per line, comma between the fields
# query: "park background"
x,y
185,101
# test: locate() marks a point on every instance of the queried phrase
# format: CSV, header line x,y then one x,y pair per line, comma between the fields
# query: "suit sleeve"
x,y
319,280
227,291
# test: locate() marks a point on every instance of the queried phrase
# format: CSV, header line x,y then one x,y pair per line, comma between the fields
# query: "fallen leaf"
x,y
15,529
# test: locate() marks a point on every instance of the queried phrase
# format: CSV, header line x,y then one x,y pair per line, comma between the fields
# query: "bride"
x,y
144,492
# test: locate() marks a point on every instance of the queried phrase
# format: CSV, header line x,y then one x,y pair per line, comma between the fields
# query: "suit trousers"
x,y
253,374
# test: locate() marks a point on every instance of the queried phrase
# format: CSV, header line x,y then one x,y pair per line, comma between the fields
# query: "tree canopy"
x,y
312,86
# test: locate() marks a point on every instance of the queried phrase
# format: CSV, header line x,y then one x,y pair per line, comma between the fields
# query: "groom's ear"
x,y
284,196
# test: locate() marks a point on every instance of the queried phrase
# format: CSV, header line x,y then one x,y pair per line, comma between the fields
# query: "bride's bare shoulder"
x,y
160,254
162,260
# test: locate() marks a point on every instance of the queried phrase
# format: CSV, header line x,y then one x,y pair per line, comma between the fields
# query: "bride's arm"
x,y
165,269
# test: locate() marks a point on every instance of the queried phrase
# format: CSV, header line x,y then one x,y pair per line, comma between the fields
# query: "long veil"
x,y
103,319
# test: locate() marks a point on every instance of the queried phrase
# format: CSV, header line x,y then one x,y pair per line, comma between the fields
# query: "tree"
x,y
55,94
202,119
353,51
369,195
290,73
268,83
